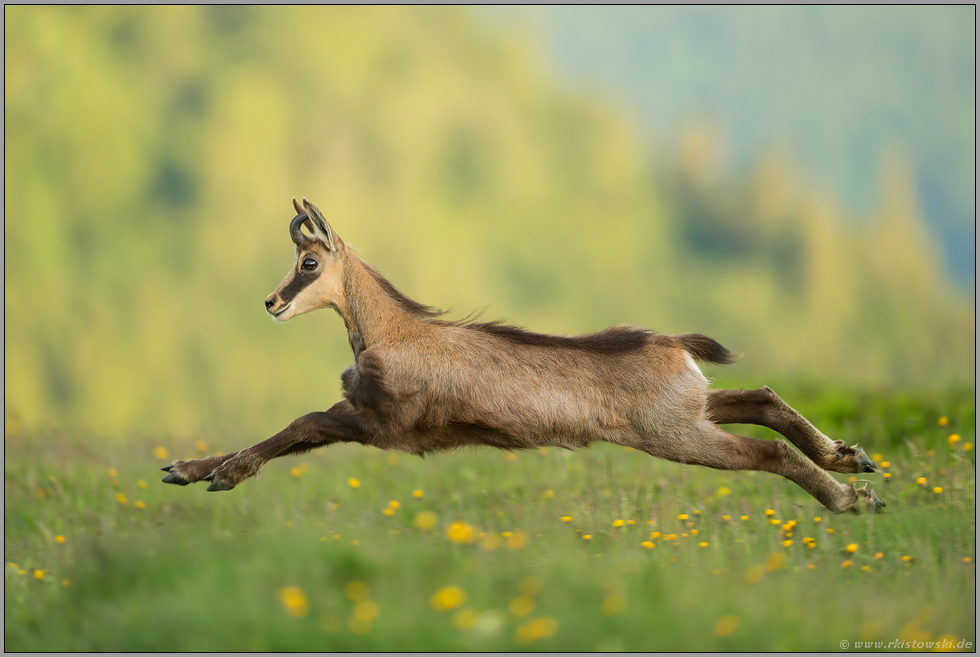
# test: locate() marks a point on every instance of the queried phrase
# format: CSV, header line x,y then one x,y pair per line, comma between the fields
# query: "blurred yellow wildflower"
x,y
943,421
887,476
937,490
770,512
521,606
548,494
491,542
703,544
113,473
787,543
356,591
537,628
295,472
967,447
353,483
426,520
726,626
66,583
566,518
773,521
852,548
922,481
654,535
447,598
866,569
754,574
906,558
682,516
59,539
394,504
846,564
876,458
648,544
886,464
517,540
418,494
744,517
200,446
366,611
587,537
388,511
953,439
39,574
461,532
694,532
618,523
161,453
830,530
879,555
725,518
141,484
140,504
294,600
121,499
775,561
722,492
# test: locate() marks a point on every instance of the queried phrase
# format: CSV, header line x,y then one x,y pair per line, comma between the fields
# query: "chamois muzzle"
x,y
296,231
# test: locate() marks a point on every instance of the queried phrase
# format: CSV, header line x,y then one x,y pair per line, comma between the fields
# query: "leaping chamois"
x,y
421,384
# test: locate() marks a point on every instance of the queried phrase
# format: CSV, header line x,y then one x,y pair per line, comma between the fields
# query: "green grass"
x,y
200,571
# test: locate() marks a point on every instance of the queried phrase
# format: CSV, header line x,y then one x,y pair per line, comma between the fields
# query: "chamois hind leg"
x,y
710,446
764,408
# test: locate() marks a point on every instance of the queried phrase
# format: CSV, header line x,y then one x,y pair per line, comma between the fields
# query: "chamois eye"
x,y
309,264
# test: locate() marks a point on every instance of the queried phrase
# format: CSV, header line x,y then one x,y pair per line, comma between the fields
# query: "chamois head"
x,y
315,281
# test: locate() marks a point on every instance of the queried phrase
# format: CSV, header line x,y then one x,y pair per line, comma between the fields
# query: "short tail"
x,y
704,349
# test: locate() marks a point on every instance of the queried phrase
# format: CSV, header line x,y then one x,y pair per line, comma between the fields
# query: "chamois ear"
x,y
320,226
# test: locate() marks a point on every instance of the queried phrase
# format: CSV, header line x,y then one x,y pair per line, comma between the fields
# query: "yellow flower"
x,y
906,558
113,473
943,421
587,537
491,542
447,598
366,611
39,574
722,492
388,511
830,530
506,534
648,544
922,481
846,564
294,600
773,521
703,544
725,518
953,439
817,519
744,517
534,629
357,591
770,512
620,523
521,606
140,504
852,548
866,569
200,446
426,520
418,494
548,494
353,483
630,522
775,561
461,532
161,453
66,583
967,447
654,535
694,532
121,499
886,464
566,518
394,504
879,555
887,476
59,538
682,516
295,472
726,626
967,559
876,458
937,490
517,540
787,543
754,574
141,484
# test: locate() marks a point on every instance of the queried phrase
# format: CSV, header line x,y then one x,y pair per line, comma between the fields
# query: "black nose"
x,y
269,303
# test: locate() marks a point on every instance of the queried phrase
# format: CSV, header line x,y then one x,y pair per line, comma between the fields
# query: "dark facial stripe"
x,y
299,283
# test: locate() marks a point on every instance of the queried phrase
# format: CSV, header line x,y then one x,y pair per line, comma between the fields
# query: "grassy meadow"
x,y
355,549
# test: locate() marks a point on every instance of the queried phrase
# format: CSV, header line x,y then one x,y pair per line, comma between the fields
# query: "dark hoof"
x,y
210,477
175,478
866,463
219,485
872,501
167,468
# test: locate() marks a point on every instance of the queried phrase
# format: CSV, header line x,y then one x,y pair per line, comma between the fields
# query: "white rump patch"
x,y
694,367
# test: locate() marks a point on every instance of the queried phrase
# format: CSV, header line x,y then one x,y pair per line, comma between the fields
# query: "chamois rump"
x,y
422,384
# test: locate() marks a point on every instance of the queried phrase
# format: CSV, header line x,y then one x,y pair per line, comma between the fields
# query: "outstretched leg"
x,y
342,423
712,447
764,408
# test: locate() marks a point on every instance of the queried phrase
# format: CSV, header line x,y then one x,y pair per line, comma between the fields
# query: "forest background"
x,y
797,184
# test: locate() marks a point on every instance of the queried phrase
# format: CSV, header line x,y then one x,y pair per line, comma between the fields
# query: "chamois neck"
x,y
370,312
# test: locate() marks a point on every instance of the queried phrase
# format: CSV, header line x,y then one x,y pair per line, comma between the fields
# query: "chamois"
x,y
422,384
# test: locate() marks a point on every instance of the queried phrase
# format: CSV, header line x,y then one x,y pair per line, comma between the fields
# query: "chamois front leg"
x,y
342,423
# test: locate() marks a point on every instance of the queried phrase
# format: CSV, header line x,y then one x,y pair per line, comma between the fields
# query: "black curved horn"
x,y
295,229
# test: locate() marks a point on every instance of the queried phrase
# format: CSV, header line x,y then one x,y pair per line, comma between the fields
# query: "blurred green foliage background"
x,y
151,154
